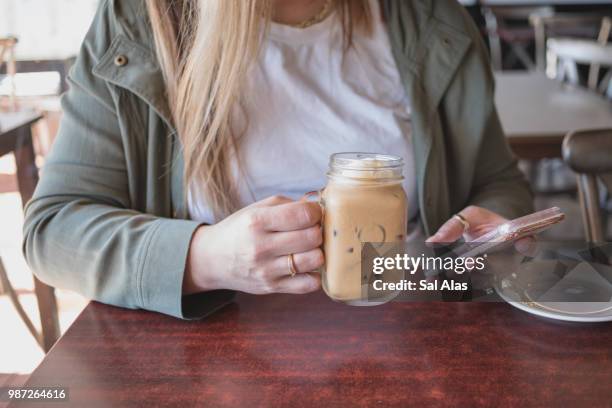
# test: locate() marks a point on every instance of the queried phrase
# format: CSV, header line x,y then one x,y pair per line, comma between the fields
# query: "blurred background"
x,y
552,64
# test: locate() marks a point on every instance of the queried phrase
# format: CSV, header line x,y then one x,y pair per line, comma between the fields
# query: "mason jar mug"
x,y
364,201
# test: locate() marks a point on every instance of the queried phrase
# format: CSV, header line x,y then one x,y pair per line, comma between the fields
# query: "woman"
x,y
191,127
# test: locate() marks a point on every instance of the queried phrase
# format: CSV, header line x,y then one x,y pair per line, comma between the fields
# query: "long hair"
x,y
204,48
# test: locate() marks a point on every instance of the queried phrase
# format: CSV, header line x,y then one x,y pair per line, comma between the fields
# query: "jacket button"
x,y
120,60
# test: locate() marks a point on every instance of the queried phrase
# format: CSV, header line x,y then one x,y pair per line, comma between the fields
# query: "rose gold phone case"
x,y
512,230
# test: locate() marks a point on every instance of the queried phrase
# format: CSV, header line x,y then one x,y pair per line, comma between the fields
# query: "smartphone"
x,y
511,231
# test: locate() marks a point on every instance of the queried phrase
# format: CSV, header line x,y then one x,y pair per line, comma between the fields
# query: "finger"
x,y
449,232
304,262
288,217
266,202
271,201
292,242
478,215
527,246
309,261
299,284
479,230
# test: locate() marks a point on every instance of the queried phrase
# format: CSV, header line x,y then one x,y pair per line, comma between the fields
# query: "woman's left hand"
x,y
480,222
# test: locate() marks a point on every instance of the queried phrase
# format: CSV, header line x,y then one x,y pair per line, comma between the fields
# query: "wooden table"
x,y
305,351
537,112
15,132
16,138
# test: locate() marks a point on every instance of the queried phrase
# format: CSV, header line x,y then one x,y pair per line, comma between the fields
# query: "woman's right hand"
x,y
248,251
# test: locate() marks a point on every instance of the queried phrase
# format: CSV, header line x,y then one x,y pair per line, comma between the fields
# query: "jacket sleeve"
x,y
79,231
498,184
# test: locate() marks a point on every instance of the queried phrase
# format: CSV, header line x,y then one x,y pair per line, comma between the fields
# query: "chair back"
x,y
562,24
509,13
589,154
565,53
603,38
513,21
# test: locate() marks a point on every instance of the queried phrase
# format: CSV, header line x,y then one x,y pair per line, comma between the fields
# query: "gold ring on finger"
x,y
291,263
463,221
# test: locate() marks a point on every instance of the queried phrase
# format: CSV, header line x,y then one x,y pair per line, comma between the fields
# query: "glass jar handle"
x,y
310,194
316,197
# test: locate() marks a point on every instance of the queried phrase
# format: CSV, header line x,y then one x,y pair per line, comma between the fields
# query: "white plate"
x,y
565,300
539,310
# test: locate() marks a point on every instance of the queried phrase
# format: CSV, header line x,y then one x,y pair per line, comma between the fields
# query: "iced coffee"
x,y
363,202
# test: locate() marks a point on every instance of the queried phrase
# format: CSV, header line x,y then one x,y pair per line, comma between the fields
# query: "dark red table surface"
x,y
284,350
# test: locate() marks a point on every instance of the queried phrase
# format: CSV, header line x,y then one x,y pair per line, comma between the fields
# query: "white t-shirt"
x,y
305,99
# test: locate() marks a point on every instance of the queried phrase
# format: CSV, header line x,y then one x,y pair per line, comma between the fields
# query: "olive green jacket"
x,y
108,218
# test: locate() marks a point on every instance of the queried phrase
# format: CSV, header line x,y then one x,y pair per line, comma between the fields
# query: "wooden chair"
x,y
7,54
562,24
510,25
567,53
16,138
589,154
49,321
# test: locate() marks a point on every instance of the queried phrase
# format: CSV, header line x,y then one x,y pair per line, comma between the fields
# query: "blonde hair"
x,y
204,48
